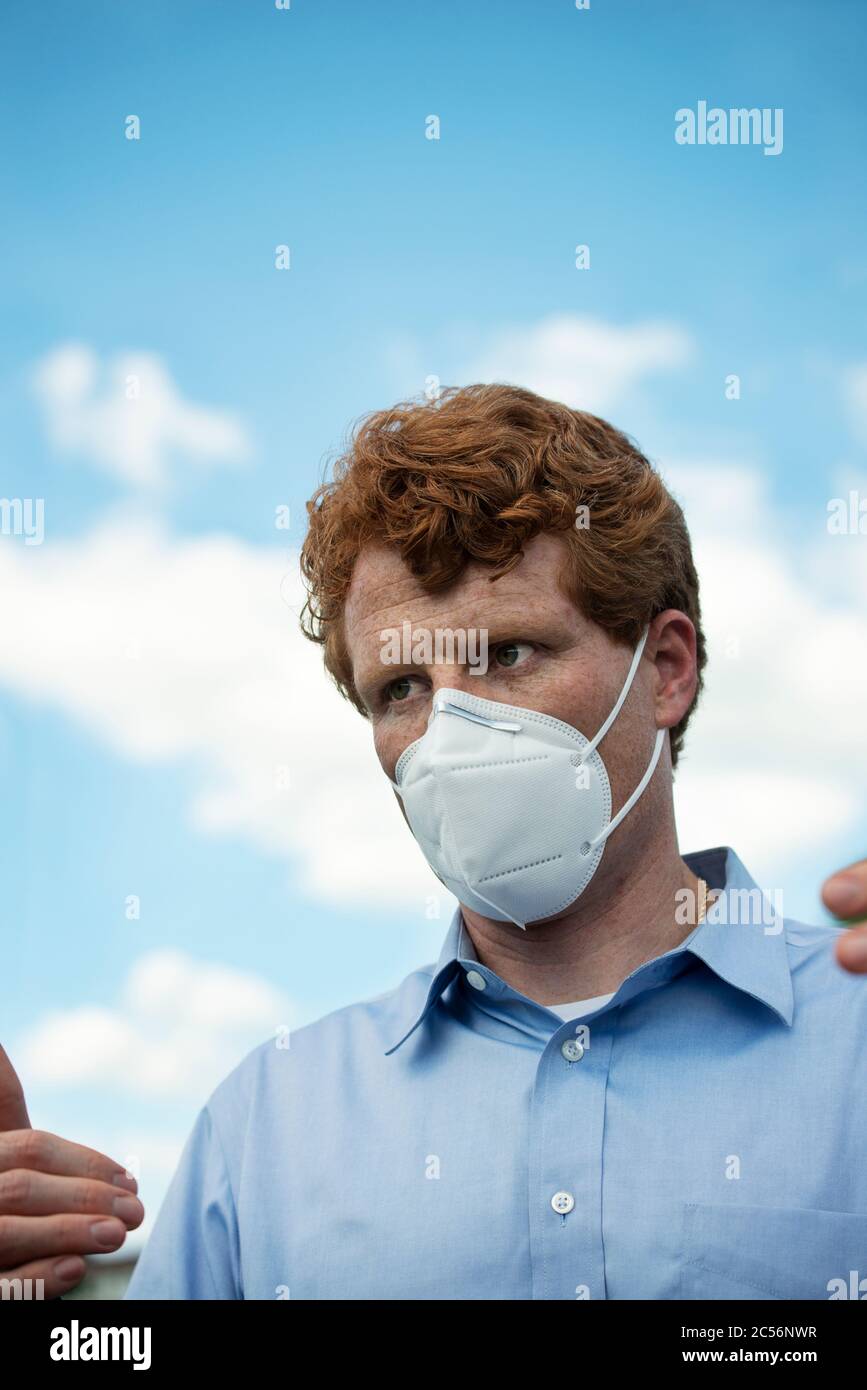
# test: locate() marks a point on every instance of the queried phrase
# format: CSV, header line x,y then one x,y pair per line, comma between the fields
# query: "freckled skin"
x,y
565,665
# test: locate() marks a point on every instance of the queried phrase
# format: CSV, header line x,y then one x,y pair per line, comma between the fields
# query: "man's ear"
x,y
671,645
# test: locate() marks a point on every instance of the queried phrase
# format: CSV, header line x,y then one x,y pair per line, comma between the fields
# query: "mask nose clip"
x,y
443,706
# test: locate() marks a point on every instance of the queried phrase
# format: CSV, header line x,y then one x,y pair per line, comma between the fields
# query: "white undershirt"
x,y
581,1006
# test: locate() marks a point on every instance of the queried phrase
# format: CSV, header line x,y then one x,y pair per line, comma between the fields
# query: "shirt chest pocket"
x,y
734,1251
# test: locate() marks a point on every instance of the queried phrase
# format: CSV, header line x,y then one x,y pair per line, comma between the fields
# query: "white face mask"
x,y
511,807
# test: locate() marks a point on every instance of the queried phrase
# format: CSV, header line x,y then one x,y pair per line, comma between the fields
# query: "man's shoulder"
x,y
812,943
371,1025
812,937
816,972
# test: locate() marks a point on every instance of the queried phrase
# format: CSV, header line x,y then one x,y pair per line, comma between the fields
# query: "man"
x,y
626,1076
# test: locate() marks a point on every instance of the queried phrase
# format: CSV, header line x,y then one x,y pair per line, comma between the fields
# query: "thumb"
x,y
13,1111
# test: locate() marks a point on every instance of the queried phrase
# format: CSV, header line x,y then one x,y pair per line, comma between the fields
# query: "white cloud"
x,y
581,361
190,649
775,756
178,1027
127,417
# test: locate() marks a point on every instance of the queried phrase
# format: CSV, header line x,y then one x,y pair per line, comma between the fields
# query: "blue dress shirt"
x,y
702,1135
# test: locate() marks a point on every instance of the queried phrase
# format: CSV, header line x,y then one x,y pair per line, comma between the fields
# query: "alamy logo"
x,y
854,1287
734,907
23,516
737,126
408,646
848,516
74,1343
25,1289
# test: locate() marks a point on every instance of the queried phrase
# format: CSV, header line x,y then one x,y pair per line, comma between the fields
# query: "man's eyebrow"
x,y
369,678
368,672
513,627
371,674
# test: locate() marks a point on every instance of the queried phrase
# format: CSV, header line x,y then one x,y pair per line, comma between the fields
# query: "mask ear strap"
x,y
628,805
621,697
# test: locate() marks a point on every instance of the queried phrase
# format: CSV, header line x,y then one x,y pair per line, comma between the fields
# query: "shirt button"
x,y
476,980
562,1202
572,1050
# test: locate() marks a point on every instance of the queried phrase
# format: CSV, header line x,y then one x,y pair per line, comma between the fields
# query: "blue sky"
x,y
409,257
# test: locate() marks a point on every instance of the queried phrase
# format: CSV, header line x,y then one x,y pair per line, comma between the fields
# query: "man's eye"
x,y
509,654
398,689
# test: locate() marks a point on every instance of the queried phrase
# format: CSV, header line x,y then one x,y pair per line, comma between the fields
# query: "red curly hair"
x,y
473,476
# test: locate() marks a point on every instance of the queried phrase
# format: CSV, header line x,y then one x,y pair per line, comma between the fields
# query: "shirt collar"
x,y
741,939
457,951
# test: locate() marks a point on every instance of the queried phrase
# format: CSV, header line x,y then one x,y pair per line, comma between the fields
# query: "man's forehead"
x,y
384,592
380,579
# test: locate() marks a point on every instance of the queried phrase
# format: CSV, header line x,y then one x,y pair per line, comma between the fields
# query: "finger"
x,y
13,1111
24,1238
845,893
851,949
26,1192
45,1278
48,1153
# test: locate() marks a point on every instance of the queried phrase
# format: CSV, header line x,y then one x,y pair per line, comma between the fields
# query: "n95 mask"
x,y
511,807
